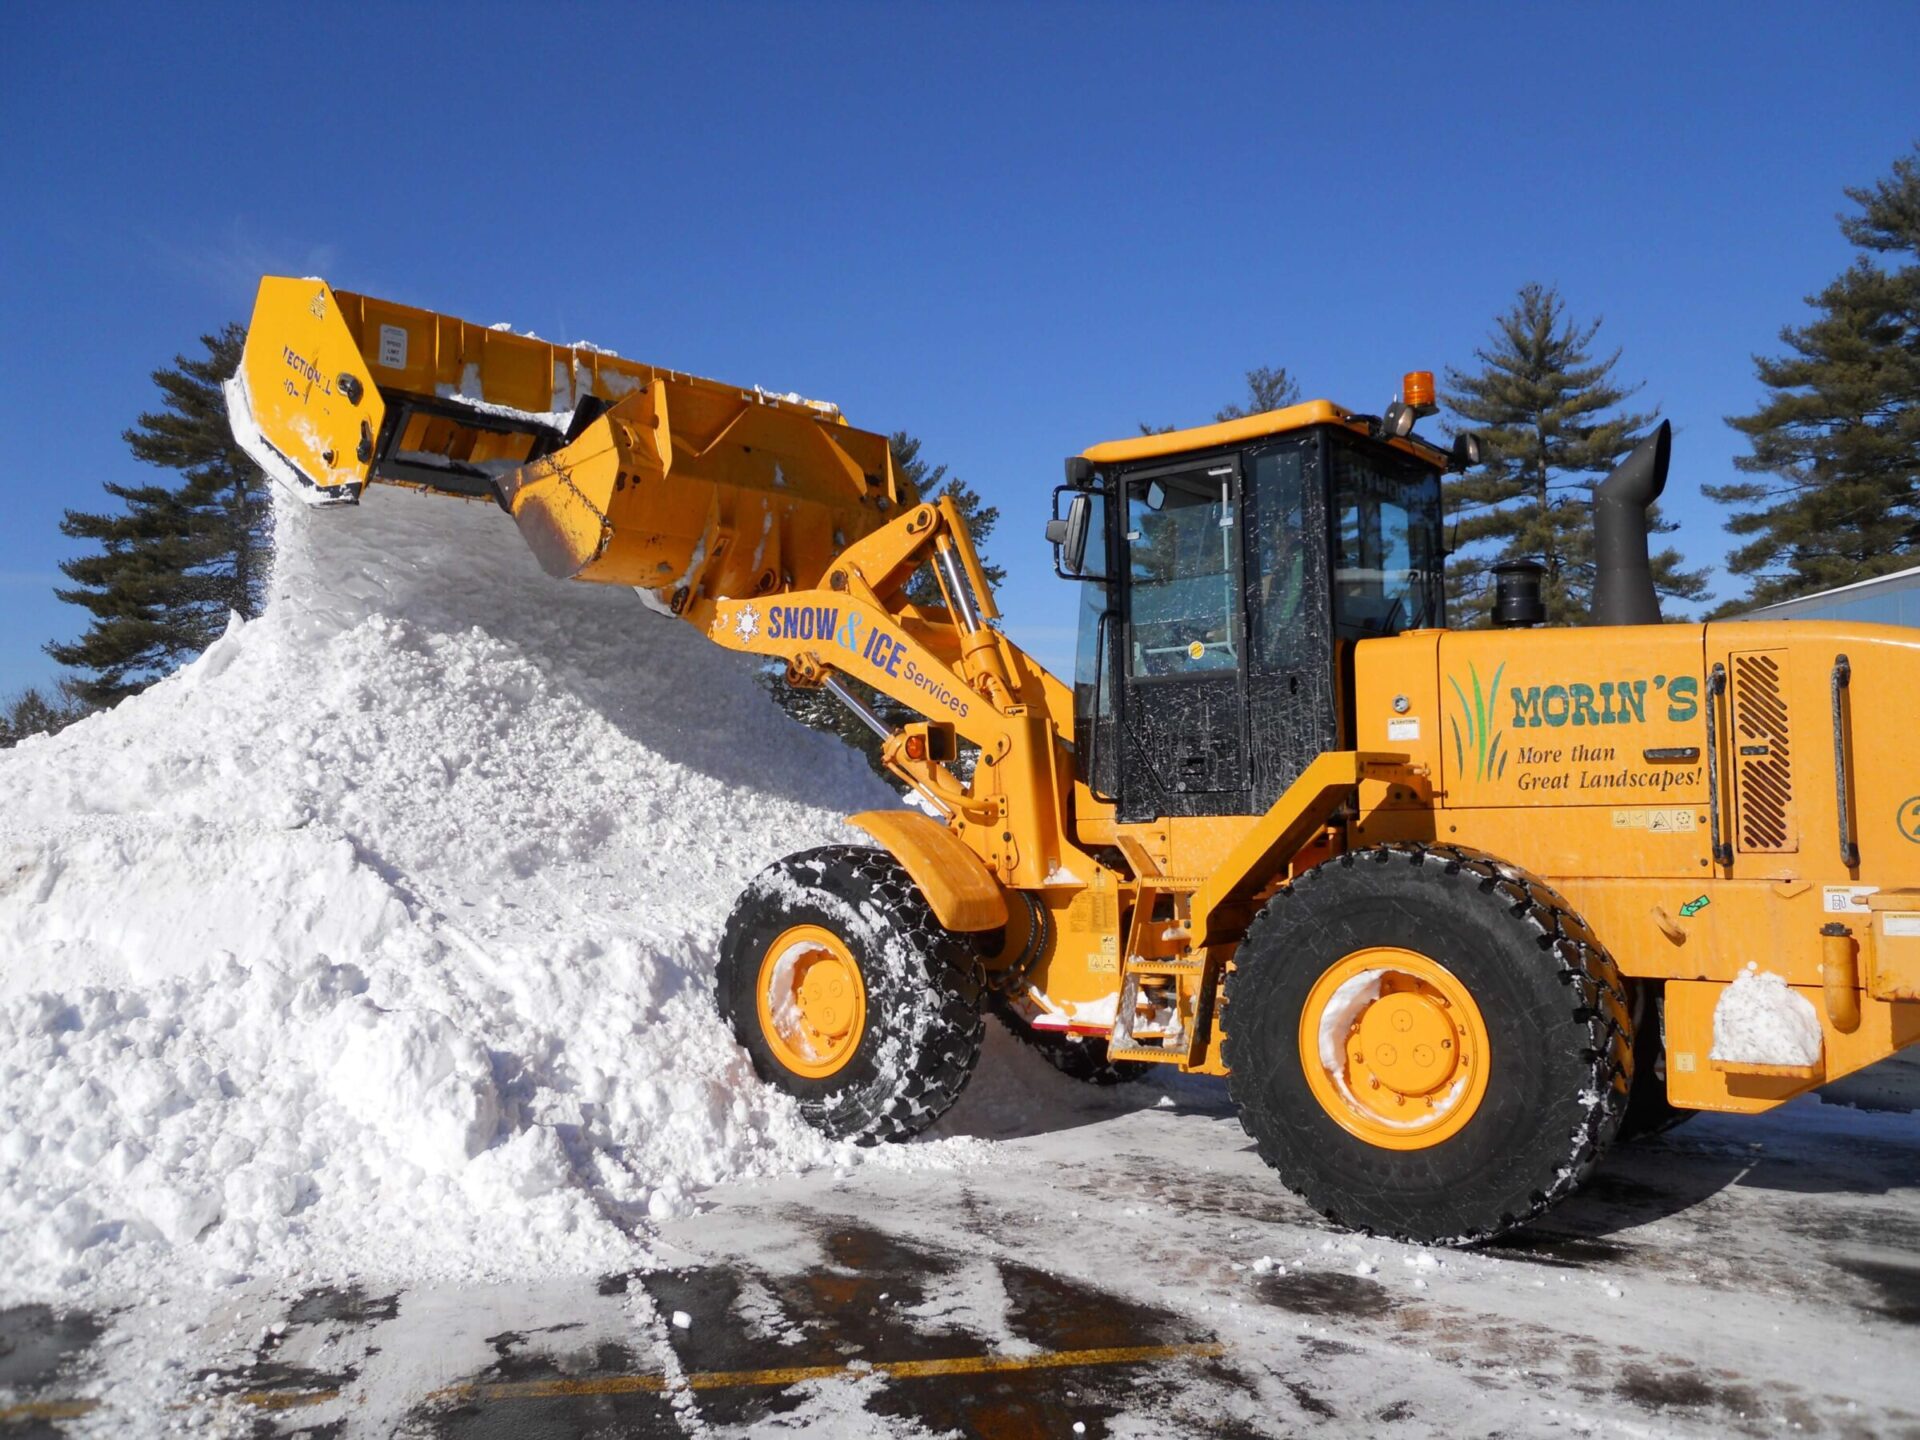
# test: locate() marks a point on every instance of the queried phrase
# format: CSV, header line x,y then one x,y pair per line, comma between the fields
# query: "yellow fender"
x,y
1278,836
956,883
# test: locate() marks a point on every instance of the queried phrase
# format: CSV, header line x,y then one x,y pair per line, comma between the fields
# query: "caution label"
x,y
1680,821
1846,899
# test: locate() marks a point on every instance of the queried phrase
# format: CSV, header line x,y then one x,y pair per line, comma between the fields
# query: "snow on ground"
x,y
1749,1276
378,940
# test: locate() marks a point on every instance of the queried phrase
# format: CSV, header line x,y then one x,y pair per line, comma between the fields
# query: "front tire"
x,y
1426,1043
848,995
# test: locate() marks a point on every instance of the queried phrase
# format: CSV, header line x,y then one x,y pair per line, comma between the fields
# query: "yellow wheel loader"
x,y
1448,908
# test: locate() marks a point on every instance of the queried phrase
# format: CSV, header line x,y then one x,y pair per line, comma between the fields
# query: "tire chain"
x,y
955,974
1584,965
1013,979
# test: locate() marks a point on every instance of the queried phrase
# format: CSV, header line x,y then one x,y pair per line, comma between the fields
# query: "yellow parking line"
x,y
593,1385
48,1410
74,1409
795,1374
961,1365
285,1399
553,1389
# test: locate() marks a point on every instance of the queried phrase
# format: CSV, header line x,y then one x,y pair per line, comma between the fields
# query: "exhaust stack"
x,y
1623,591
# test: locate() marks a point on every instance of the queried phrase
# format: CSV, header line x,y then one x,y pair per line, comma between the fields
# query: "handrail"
x,y
1091,769
1716,687
1842,678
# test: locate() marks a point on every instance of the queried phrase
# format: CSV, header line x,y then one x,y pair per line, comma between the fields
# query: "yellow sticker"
x,y
1196,651
1684,1062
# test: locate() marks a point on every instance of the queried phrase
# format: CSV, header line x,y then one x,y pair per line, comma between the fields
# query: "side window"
x,y
1092,674
1179,545
1386,560
1284,594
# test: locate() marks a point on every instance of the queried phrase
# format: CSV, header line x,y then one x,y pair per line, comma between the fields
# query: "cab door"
x,y
1182,643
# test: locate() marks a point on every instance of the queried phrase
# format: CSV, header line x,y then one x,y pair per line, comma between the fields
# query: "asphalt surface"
x,y
1123,1266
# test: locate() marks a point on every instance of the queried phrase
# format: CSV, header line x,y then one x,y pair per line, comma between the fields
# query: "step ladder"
x,y
1155,961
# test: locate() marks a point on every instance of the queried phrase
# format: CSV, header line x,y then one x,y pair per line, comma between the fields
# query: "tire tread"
x,y
1581,964
950,971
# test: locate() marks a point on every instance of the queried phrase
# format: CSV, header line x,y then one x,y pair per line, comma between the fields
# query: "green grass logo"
x,y
1481,740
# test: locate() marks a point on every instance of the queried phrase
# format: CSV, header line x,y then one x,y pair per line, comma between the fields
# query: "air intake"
x,y
1763,753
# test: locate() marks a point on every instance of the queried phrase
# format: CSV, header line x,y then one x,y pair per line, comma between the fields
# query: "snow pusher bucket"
x,y
615,471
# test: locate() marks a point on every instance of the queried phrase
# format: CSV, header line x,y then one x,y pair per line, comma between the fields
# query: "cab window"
x,y
1284,590
1180,546
1386,545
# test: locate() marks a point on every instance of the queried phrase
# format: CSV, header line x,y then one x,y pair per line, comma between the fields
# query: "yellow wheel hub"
x,y
811,1000
1394,1048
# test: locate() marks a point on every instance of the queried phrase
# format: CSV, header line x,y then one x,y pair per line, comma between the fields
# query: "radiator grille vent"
x,y
1763,755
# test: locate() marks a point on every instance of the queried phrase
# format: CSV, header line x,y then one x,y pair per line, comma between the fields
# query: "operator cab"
x,y
1227,573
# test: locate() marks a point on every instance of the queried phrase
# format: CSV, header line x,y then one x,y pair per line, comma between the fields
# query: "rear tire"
x,y
888,1046
1491,959
1649,1112
1078,1057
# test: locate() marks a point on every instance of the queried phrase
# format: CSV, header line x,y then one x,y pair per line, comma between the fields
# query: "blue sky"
x,y
1012,230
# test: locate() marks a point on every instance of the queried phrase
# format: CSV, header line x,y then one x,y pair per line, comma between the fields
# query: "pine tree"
x,y
175,559
819,709
1269,387
32,713
931,482
1839,434
1550,428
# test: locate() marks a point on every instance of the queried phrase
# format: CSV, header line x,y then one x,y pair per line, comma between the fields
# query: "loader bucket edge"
x,y
303,404
260,450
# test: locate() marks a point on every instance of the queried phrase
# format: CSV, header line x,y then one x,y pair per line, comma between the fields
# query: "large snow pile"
x,y
1758,1020
378,940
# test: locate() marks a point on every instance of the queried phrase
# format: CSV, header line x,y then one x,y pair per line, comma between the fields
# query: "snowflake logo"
x,y
746,622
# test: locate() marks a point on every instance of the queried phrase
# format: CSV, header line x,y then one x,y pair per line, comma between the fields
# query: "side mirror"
x,y
1068,534
1466,451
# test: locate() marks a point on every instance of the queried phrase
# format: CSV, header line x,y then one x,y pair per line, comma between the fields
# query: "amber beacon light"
x,y
1417,387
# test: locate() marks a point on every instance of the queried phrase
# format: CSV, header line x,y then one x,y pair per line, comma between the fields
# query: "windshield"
x,y
1387,555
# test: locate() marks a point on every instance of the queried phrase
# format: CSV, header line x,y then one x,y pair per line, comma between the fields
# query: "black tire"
x,y
1649,1112
1558,1032
1078,1057
923,1027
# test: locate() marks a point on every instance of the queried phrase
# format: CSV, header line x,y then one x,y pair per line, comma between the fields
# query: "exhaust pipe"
x,y
1623,591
